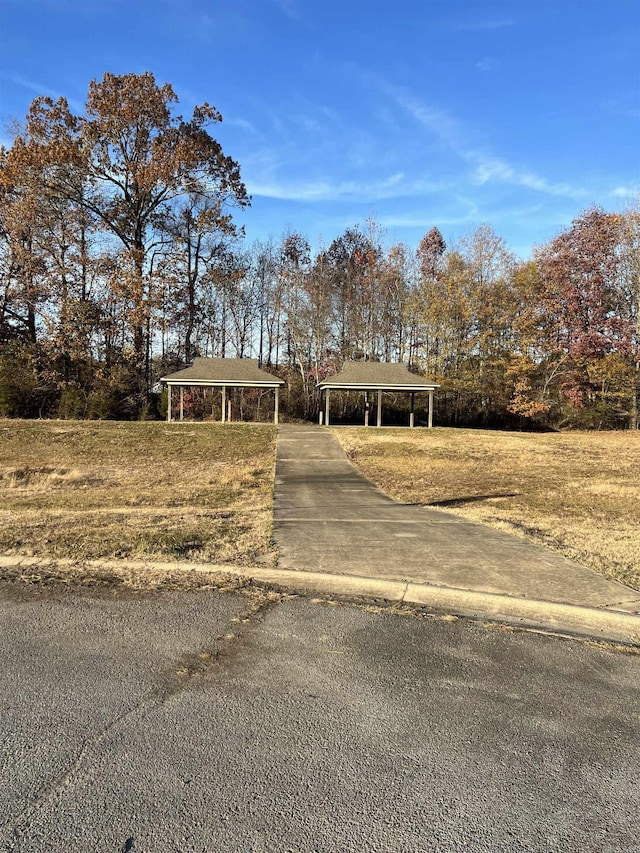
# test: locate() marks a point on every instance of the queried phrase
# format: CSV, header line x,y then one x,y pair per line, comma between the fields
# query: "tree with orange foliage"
x,y
592,298
128,160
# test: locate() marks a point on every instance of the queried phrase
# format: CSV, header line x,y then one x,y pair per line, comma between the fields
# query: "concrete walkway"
x,y
329,519
338,536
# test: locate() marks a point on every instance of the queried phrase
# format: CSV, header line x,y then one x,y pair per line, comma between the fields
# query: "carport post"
x,y
168,403
181,402
430,409
223,403
379,421
327,394
275,406
411,418
366,408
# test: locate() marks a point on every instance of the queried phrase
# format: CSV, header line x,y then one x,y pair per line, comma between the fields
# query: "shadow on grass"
x,y
472,499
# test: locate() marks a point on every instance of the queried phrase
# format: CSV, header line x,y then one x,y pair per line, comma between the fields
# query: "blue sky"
x,y
452,113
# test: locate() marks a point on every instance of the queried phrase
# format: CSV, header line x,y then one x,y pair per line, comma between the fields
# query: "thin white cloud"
x,y
289,8
40,89
624,104
394,180
328,112
487,168
307,123
303,191
487,63
458,210
425,220
496,169
393,186
242,123
439,122
303,114
625,192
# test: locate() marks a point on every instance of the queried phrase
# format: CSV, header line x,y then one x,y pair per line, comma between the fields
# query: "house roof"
x,y
230,372
375,375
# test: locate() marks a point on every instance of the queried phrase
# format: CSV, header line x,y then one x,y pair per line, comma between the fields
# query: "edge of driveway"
x,y
605,625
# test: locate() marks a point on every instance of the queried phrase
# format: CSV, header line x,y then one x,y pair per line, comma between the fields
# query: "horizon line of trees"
x,y
120,262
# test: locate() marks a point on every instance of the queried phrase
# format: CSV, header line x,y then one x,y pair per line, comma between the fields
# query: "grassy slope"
x,y
104,489
578,493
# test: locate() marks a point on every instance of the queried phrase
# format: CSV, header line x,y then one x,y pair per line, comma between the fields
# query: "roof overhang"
x,y
327,384
223,383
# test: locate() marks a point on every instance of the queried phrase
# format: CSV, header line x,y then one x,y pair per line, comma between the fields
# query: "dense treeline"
x,y
120,262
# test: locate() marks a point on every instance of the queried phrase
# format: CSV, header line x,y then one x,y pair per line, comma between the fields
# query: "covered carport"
x,y
222,373
372,377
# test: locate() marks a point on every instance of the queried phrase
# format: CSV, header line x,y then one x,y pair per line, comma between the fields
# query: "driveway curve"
x,y
329,518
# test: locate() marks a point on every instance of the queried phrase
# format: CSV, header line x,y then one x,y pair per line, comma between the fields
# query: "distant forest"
x,y
120,262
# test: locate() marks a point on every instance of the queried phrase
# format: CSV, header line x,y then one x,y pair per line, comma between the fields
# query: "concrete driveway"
x,y
329,518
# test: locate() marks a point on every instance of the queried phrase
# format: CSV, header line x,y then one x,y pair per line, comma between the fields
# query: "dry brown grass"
x,y
104,489
578,493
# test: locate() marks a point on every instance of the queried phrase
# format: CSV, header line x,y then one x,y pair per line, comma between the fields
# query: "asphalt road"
x,y
219,722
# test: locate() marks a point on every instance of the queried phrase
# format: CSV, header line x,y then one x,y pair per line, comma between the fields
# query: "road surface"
x,y
207,721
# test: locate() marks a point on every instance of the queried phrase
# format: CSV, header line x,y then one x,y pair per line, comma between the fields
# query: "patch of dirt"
x,y
22,582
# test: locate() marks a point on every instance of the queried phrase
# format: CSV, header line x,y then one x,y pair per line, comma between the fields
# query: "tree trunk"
x,y
140,364
634,415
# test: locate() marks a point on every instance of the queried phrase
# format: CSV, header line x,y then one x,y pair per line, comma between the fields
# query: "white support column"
x,y
327,395
229,409
379,418
223,404
181,402
168,404
276,405
411,416
366,408
430,409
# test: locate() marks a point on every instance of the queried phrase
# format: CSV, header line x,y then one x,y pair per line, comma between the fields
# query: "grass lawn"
x,y
90,489
578,493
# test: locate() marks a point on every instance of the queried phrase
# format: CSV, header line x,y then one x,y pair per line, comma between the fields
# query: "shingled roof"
x,y
374,375
227,372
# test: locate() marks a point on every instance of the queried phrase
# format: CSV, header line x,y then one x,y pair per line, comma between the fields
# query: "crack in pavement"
x,y
624,601
56,787
189,669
